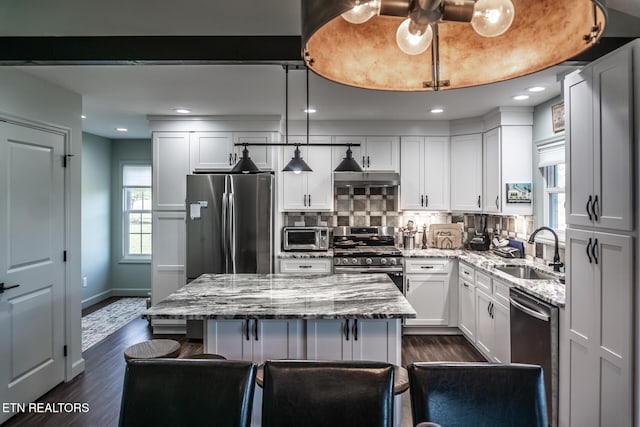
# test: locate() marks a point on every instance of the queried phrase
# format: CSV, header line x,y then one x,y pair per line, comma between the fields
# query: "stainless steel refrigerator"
x,y
229,223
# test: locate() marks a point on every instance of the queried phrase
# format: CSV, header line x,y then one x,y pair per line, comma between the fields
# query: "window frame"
x,y
125,256
547,192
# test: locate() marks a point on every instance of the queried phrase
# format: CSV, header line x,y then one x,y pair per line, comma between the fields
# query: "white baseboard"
x,y
430,330
76,369
139,292
96,298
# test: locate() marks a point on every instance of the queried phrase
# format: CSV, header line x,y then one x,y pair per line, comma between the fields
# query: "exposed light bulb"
x,y
297,172
492,18
413,43
521,97
362,11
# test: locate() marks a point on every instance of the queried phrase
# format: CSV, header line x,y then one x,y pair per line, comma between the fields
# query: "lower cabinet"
x,y
354,339
427,287
467,303
257,340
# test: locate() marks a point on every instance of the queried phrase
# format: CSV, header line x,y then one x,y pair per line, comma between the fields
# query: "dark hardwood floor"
x,y
101,383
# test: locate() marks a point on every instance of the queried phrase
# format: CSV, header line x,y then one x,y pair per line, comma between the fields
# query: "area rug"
x,y
102,323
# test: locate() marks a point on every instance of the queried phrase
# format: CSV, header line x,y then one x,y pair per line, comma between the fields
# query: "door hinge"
x,y
64,159
64,351
64,256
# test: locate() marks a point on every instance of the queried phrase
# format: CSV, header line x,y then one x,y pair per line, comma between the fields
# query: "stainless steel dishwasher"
x,y
534,340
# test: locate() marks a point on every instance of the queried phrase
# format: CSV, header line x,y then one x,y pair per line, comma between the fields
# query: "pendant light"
x,y
296,164
348,164
245,164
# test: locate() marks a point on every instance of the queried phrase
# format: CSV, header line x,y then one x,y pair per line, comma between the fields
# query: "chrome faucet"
x,y
556,256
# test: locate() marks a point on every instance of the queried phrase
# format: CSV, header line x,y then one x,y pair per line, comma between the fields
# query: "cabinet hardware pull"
x,y
466,273
426,201
346,329
304,197
305,266
355,329
246,329
492,312
235,158
255,328
364,163
422,201
465,284
4,288
497,202
479,201
587,207
594,209
426,266
408,284
588,248
230,159
368,162
593,251
309,196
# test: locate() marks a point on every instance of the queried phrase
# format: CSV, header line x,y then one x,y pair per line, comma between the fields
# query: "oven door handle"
x,y
347,270
530,312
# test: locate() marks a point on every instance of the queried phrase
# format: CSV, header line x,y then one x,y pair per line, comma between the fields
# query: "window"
x,y
136,190
554,198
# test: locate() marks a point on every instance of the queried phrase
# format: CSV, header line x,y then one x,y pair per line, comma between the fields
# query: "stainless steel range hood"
x,y
345,179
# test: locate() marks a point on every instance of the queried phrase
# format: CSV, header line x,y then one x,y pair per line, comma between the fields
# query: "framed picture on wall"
x,y
519,192
557,117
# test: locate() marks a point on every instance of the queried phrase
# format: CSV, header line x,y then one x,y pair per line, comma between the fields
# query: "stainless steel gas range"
x,y
367,250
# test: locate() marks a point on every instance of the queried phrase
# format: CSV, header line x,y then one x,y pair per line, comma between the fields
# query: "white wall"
x,y
26,97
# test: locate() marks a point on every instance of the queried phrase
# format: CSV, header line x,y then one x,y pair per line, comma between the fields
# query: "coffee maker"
x,y
481,239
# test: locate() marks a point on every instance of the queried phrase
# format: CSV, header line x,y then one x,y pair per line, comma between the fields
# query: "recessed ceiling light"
x,y
122,129
521,97
437,110
310,110
182,110
536,89
83,116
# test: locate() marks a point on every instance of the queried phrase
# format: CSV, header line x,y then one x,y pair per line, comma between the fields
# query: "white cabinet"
x,y
466,173
169,251
484,323
375,153
599,328
261,155
211,151
425,173
467,302
502,329
354,339
257,340
428,290
599,146
308,191
170,168
491,168
306,265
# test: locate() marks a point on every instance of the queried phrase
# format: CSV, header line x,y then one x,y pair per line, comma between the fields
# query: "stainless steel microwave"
x,y
305,238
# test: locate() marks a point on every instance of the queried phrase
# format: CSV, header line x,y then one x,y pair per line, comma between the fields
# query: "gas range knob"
x,y
345,261
368,261
383,261
393,261
354,260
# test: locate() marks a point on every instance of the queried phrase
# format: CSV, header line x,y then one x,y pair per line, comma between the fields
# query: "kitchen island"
x,y
283,316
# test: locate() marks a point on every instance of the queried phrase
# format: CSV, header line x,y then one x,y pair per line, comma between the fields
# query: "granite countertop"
x,y
309,254
285,296
551,291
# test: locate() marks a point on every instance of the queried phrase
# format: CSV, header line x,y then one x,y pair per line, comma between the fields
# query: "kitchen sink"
x,y
525,272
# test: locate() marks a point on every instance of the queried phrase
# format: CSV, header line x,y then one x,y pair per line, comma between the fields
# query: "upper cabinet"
x,y
424,178
308,191
211,151
170,168
261,155
466,173
375,153
599,111
491,177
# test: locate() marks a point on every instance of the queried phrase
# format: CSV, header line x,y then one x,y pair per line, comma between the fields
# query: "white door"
x,y
491,171
170,169
327,340
31,255
382,153
484,322
276,339
429,297
412,174
320,181
212,150
370,340
467,310
466,173
436,173
502,337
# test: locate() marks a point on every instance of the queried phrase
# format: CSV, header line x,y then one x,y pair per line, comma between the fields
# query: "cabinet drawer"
x,y
466,272
483,282
501,292
305,265
427,266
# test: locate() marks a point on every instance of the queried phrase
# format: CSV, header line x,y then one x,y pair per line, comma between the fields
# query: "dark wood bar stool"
x,y
153,349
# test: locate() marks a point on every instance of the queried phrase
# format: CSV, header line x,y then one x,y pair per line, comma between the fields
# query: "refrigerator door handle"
x,y
225,234
232,227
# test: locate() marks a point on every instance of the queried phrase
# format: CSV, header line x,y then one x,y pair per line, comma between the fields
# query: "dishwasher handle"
x,y
534,313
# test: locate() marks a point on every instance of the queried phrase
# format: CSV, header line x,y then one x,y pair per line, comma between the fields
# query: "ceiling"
x,y
122,96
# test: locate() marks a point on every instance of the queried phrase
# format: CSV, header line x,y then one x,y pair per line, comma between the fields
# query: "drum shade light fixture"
x,y
420,45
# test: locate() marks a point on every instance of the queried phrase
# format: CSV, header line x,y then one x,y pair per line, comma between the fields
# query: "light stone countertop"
x,y
285,296
551,291
309,254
